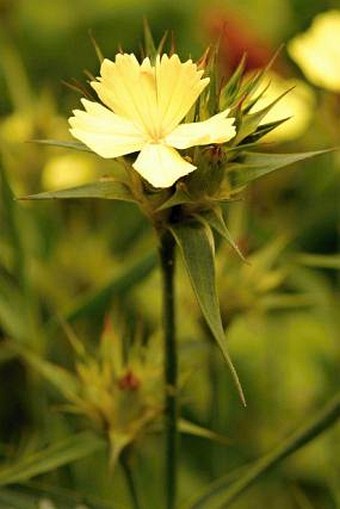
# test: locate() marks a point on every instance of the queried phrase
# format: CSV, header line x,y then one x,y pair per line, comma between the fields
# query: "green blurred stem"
x,y
130,480
167,260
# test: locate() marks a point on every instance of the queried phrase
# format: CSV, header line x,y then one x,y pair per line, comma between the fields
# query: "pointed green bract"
x,y
106,189
189,428
96,47
251,121
196,245
215,219
253,165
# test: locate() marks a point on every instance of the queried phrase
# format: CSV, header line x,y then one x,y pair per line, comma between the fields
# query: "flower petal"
x,y
217,129
178,86
104,132
161,165
156,98
129,89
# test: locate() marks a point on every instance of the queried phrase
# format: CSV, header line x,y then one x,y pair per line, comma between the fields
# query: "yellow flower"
x,y
145,105
317,51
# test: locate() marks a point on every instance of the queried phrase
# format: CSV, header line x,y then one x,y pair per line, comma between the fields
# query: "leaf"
x,y
221,494
12,322
96,303
190,428
253,165
51,457
215,219
319,261
75,145
62,379
196,246
106,189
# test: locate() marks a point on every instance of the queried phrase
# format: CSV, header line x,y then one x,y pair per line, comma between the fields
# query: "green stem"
x,y
167,260
130,481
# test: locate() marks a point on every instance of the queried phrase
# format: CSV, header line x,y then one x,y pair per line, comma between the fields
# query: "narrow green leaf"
x,y
215,219
96,303
75,145
221,494
49,458
319,261
189,428
106,189
11,299
253,165
195,242
62,379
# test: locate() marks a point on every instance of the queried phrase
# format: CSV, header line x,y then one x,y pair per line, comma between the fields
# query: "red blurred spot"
x,y
236,38
129,382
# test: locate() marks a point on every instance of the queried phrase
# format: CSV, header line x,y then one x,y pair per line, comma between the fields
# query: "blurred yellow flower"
x,y
67,171
146,104
297,106
317,51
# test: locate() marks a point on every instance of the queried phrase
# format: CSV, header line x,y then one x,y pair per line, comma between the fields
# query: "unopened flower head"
x,y
144,107
317,51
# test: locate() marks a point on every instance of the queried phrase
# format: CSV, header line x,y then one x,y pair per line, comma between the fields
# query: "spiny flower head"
x,y
144,107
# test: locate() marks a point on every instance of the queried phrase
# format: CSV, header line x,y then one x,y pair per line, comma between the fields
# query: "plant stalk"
x,y
130,481
167,260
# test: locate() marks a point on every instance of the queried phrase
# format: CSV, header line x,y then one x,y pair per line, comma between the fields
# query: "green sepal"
x,y
231,89
96,47
250,166
196,244
150,48
179,197
249,123
261,131
106,189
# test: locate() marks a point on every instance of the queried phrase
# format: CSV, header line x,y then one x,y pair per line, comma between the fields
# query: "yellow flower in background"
x,y
145,105
67,171
297,106
317,51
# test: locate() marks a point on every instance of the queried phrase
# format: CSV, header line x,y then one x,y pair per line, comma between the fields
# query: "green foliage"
x,y
51,457
195,242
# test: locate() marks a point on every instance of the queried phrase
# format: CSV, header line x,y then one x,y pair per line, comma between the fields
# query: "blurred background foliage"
x,y
82,261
